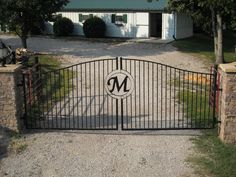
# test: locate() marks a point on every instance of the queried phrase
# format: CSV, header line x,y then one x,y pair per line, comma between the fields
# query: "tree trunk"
x,y
219,57
24,41
214,31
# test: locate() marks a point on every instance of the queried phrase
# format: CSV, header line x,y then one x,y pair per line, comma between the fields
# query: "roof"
x,y
116,5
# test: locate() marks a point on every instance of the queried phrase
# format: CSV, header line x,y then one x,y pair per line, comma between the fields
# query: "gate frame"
x,y
120,118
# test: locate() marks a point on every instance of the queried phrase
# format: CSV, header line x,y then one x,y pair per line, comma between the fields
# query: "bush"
x,y
94,27
63,27
38,28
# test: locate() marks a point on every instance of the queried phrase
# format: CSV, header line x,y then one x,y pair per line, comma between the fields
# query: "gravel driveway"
x,y
59,154
72,52
108,154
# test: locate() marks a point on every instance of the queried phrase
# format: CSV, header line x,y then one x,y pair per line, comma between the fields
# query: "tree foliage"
x,y
201,11
211,15
22,15
94,27
63,27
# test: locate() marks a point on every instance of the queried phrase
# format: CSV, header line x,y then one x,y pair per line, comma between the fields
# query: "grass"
x,y
203,46
17,143
56,84
213,158
196,107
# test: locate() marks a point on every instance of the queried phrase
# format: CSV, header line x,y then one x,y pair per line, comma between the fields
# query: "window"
x,y
119,19
82,17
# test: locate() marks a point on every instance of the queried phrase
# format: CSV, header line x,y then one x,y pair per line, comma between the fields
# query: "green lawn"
x,y
197,107
56,85
203,46
214,157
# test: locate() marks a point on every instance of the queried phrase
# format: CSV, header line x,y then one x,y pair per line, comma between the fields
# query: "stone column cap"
x,y
10,68
228,68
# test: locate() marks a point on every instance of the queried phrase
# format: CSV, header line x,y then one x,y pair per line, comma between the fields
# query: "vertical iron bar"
x,y
55,94
73,97
139,94
157,96
122,101
108,99
117,101
86,97
51,99
183,99
82,99
161,92
170,116
68,84
166,79
188,102
205,101
196,116
215,92
135,93
103,121
90,95
131,99
25,103
144,102
95,96
201,104
99,95
64,107
148,96
174,96
209,101
179,100
77,95
192,100
153,123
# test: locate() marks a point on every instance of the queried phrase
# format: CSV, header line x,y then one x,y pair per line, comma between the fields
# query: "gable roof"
x,y
115,5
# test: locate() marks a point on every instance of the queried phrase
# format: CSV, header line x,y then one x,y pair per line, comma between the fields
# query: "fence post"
x,y
227,129
11,97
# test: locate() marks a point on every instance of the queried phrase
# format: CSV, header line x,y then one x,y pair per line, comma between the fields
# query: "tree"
x,y
23,15
214,14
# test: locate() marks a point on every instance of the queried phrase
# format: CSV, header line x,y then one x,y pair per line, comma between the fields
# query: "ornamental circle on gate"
x,y
119,84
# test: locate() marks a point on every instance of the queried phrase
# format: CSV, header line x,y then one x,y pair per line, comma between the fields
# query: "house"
x,y
130,18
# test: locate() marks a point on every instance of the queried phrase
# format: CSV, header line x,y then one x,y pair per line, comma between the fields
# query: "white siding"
x,y
142,25
136,26
168,26
184,26
127,30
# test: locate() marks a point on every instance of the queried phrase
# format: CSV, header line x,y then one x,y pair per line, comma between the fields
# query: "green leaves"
x,y
23,15
200,11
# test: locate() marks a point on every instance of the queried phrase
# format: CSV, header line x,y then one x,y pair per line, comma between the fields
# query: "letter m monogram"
x,y
117,85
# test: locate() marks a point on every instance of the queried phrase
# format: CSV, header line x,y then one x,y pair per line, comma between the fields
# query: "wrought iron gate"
x,y
130,94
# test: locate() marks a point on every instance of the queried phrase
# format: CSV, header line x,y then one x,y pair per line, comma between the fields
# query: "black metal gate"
x,y
130,94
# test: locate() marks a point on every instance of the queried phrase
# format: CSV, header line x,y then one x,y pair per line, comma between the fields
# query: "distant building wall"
x,y
168,26
136,26
184,26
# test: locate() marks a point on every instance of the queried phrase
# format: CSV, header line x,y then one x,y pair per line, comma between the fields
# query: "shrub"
x,y
94,27
38,28
63,27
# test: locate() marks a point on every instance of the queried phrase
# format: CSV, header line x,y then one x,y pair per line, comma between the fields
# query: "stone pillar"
x,y
228,103
11,97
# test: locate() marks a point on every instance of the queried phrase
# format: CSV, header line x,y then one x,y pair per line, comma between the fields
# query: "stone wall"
x,y
11,97
228,103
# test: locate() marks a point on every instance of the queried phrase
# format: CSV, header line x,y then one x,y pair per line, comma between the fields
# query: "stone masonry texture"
x,y
228,107
11,98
